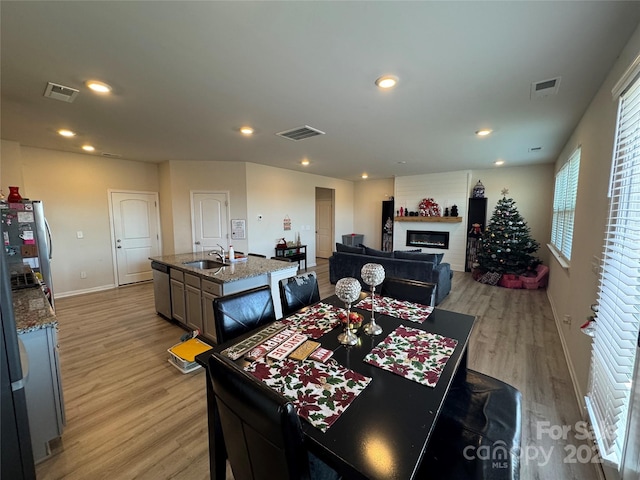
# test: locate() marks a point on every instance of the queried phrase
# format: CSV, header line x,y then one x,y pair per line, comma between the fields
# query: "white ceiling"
x,y
187,75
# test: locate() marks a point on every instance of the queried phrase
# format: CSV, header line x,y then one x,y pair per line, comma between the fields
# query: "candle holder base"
x,y
347,337
372,328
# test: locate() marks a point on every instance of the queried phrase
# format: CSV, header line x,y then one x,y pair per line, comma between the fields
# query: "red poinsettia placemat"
x,y
414,354
414,312
320,391
317,320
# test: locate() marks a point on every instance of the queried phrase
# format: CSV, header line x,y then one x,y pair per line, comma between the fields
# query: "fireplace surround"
x,y
427,238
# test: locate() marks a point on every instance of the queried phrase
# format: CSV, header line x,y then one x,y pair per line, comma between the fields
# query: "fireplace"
x,y
426,238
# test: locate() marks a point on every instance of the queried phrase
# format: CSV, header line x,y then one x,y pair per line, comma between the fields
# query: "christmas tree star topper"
x,y
504,192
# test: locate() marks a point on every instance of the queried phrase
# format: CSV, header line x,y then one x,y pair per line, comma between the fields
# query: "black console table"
x,y
297,253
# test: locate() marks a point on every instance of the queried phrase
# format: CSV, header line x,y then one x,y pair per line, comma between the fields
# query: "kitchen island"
x,y
193,288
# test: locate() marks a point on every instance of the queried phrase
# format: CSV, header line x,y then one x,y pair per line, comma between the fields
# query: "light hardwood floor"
x,y
132,415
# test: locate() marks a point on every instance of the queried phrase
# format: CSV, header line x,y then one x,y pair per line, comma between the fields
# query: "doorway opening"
x,y
325,221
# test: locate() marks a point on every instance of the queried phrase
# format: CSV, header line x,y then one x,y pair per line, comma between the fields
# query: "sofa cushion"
x,y
377,253
341,247
436,258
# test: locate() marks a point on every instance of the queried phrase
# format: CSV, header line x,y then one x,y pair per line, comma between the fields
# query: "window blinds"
x,y
564,205
618,318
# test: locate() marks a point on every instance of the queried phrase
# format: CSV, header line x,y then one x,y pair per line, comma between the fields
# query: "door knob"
x,y
119,246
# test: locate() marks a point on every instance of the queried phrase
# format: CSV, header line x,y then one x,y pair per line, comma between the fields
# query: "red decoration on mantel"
x,y
429,208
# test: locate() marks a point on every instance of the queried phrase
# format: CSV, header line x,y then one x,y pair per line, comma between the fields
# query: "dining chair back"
x,y
410,290
299,291
241,312
261,428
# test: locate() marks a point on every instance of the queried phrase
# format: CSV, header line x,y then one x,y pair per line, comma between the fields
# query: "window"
x,y
564,205
618,318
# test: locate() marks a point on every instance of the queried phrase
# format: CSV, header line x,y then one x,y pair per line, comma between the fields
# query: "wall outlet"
x,y
79,234
567,320
83,274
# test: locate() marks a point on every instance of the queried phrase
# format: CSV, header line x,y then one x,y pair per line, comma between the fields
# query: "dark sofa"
x,y
347,261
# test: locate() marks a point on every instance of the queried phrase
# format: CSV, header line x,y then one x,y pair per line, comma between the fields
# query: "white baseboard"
x,y
572,372
73,293
582,407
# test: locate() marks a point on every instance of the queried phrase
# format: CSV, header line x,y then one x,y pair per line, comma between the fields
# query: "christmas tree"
x,y
506,245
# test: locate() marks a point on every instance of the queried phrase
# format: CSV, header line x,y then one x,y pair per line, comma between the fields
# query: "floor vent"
x,y
545,88
60,92
300,133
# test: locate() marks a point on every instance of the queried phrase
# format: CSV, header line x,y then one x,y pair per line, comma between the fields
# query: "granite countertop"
x,y
251,267
32,310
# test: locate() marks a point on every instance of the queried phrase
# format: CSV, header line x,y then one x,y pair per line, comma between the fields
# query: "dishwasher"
x,y
161,289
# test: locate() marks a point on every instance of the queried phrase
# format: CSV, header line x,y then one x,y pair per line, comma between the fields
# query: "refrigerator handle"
x,y
46,224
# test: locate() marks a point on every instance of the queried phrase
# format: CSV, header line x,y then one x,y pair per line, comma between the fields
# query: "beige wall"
x,y
73,188
275,193
188,176
531,187
571,291
10,166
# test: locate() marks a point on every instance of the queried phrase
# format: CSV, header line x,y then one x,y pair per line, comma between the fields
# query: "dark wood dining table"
x,y
384,433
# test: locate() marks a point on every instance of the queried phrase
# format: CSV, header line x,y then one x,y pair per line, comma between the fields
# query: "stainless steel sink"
x,y
204,264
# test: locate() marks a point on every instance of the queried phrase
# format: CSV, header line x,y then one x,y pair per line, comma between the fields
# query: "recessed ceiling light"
x,y
364,175
498,162
246,130
387,81
98,87
484,132
66,133
305,162
89,148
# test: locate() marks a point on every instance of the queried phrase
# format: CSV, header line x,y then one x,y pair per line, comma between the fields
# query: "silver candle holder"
x,y
372,274
348,290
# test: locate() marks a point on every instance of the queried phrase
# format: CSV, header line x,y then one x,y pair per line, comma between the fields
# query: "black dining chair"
x,y
481,414
299,291
262,431
409,290
241,312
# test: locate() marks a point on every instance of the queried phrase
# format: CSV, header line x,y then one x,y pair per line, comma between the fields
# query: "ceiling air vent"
x,y
545,88
60,92
111,155
300,133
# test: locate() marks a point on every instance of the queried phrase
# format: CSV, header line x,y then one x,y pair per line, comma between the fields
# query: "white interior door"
x,y
209,220
135,225
324,227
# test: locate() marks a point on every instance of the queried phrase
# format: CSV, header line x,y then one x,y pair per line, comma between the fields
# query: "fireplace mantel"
x,y
429,219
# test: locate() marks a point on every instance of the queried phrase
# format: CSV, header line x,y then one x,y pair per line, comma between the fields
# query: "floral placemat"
x,y
414,354
317,320
413,312
319,391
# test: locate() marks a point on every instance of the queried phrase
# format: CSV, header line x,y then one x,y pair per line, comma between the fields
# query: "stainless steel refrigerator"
x,y
27,240
16,454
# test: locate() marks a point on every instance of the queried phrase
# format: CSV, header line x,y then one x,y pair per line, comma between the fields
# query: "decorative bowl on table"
x,y
356,320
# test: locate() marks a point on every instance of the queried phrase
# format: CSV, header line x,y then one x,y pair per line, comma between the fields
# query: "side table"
x,y
297,253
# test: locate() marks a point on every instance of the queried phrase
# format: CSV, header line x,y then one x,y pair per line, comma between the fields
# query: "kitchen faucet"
x,y
220,254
